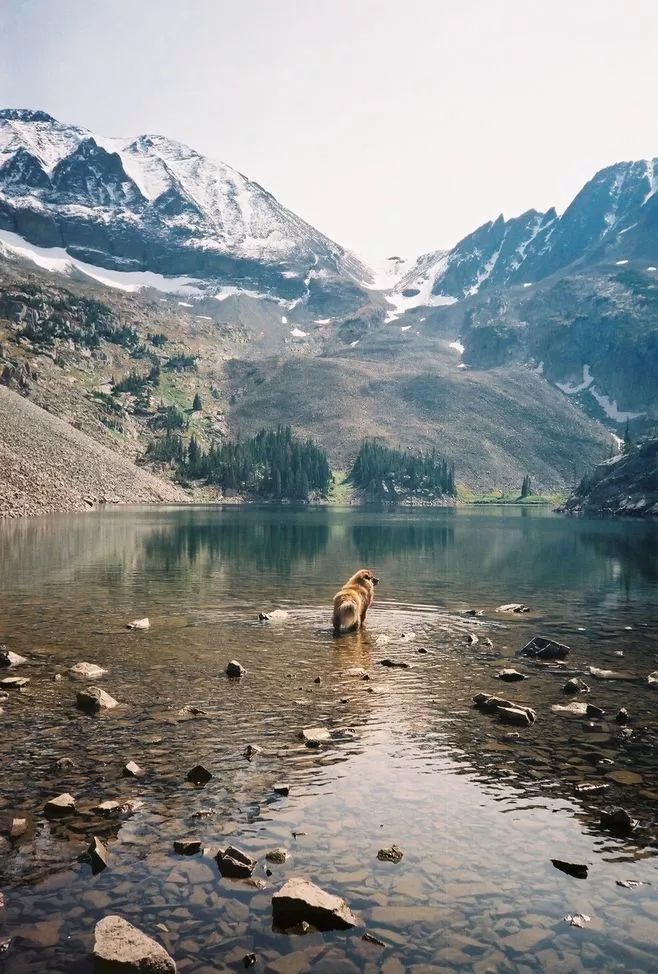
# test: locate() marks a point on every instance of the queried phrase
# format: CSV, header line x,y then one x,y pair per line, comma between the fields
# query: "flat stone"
x,y
199,775
575,709
510,676
315,735
132,770
625,777
122,948
235,670
14,682
277,615
576,869
188,847
98,855
281,789
518,716
278,855
86,671
139,624
18,827
300,901
93,699
234,863
600,674
392,854
542,648
60,806
7,658
517,607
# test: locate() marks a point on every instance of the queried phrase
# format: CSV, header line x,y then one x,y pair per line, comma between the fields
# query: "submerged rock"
x,y
139,624
394,663
300,901
392,854
600,674
517,607
188,847
510,676
315,735
235,864
277,615
86,671
199,775
93,699
60,806
235,670
278,855
119,947
540,647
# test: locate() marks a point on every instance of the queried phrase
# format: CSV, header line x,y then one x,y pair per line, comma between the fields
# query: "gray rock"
x,y
618,820
300,901
278,855
315,735
517,607
93,699
621,717
132,770
98,855
392,854
60,806
594,712
281,789
601,674
473,612
575,869
472,639
199,775
575,709
251,750
86,671
120,948
575,685
518,716
540,647
510,676
188,846
235,670
277,615
234,863
490,703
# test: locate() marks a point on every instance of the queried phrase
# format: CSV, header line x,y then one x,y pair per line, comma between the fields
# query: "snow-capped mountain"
x,y
150,204
615,214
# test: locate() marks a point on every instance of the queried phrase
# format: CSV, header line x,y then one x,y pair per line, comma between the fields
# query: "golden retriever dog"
x,y
353,601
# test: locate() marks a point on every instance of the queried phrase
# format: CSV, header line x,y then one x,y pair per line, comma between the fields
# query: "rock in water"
x,y
576,869
60,806
132,770
139,624
188,847
98,855
621,717
392,854
281,789
14,682
575,685
315,735
7,658
234,863
278,615
235,670
199,775
517,607
518,716
278,855
618,820
119,947
511,676
300,901
86,671
94,699
540,647
18,827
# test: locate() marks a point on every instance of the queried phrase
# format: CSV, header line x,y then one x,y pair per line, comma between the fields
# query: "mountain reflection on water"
x,y
479,814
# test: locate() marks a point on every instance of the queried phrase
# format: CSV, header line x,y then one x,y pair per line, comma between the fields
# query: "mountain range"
x,y
521,349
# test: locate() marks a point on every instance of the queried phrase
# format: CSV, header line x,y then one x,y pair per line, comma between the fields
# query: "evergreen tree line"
x,y
272,464
386,474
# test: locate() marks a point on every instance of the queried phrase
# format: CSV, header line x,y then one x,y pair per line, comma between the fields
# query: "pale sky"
x,y
393,127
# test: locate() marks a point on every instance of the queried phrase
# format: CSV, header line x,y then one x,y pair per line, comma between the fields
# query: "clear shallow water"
x,y
478,819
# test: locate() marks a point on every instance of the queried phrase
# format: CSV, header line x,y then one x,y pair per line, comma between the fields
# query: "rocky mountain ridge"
x,y
625,484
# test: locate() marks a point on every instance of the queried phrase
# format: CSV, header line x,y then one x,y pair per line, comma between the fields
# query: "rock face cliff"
x,y
625,484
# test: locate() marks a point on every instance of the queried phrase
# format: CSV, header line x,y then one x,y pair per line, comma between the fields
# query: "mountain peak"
x,y
26,115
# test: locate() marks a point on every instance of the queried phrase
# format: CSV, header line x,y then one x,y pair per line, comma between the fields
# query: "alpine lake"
x,y
479,809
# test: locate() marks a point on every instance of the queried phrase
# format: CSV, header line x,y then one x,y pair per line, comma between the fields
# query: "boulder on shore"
x,y
119,947
300,901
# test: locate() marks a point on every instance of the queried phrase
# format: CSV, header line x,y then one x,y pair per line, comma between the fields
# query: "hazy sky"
x,y
394,127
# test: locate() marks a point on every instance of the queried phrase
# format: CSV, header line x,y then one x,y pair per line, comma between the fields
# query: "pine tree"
x,y
526,486
628,440
196,403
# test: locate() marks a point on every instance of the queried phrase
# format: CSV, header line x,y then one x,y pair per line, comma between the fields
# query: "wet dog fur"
x,y
353,601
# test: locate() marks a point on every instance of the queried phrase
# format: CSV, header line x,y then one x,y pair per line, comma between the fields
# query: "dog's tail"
x,y
346,616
